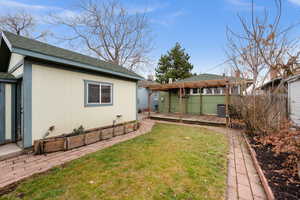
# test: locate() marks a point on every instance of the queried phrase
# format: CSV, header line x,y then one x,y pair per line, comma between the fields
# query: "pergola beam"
x,y
198,84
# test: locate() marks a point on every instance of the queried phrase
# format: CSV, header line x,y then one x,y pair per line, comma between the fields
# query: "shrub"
x,y
78,131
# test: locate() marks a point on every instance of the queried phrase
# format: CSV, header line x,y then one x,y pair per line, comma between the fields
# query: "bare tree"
x,y
262,48
21,23
109,31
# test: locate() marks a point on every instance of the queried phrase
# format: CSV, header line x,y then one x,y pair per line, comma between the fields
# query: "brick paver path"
x,y
243,182
15,169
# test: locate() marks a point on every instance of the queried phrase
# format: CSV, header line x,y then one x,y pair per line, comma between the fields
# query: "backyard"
x,y
170,162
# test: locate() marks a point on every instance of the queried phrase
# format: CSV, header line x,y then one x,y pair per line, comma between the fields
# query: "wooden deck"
x,y
190,119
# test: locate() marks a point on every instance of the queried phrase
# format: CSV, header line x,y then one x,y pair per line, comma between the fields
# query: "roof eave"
x,y
293,78
70,62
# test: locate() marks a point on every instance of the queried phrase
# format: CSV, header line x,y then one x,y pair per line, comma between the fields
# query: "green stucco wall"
x,y
191,103
210,103
163,102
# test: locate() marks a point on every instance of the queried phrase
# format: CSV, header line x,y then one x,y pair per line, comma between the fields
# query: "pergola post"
x,y
200,96
149,103
169,101
227,104
180,103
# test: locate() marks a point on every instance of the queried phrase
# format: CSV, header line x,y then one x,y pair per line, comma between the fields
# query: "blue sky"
x,y
198,25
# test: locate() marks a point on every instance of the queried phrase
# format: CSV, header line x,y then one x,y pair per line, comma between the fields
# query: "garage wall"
x,y
58,100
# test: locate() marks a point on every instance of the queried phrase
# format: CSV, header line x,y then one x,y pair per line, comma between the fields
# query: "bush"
x,y
260,113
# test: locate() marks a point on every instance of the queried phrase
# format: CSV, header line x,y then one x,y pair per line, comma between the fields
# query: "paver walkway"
x,y
243,182
17,168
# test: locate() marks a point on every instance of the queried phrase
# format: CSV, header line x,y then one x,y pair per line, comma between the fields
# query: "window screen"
x,y
93,93
106,94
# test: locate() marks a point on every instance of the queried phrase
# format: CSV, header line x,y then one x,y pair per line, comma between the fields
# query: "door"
x,y
2,113
294,93
19,114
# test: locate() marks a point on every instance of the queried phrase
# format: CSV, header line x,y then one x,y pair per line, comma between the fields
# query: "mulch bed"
x,y
283,185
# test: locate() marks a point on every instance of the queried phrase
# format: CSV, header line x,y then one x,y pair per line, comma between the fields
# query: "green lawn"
x,y
171,162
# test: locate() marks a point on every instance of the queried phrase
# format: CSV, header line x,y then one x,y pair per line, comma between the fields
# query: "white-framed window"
x,y
208,90
194,91
98,93
217,91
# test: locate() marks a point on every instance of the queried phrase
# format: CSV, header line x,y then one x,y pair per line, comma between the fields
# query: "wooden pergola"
x,y
194,84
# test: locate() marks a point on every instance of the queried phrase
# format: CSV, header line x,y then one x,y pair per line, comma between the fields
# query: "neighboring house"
x,y
201,94
143,95
294,98
43,87
269,86
290,91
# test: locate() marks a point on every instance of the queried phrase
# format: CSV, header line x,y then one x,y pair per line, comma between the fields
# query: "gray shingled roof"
x,y
6,76
205,77
39,47
145,83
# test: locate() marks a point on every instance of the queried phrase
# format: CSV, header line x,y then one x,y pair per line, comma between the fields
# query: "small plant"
x,y
51,129
78,131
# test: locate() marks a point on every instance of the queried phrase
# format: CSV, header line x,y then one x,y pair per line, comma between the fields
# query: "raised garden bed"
x,y
119,130
283,185
75,141
50,145
107,133
92,137
129,127
71,141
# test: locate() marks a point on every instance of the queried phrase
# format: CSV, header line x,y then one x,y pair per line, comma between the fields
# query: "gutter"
x,y
2,80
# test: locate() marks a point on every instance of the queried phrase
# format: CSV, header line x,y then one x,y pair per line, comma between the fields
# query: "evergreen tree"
x,y
175,64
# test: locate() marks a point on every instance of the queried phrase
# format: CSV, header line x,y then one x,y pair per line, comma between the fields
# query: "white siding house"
x,y
294,99
43,86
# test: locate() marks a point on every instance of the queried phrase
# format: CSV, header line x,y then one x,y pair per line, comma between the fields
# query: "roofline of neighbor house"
x,y
65,61
293,78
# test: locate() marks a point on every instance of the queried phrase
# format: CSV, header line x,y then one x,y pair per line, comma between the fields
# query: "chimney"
x,y
237,73
170,80
150,78
273,74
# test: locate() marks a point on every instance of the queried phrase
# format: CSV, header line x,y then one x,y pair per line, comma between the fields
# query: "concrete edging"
x,y
261,175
